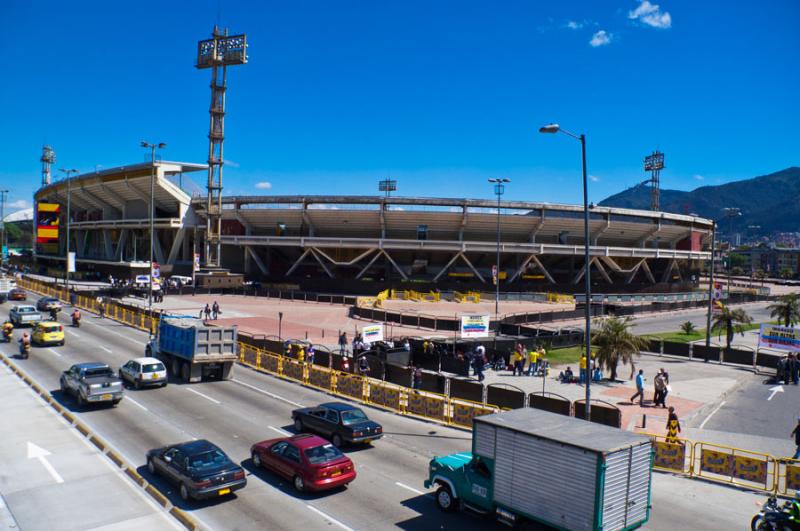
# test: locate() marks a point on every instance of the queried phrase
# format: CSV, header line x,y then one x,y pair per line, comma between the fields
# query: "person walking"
x,y
342,342
207,312
416,382
533,362
363,366
796,433
215,311
478,362
639,389
667,388
673,426
582,369
659,391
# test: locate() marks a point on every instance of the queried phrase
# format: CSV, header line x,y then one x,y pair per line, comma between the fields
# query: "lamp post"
x,y
711,285
67,174
152,148
3,239
555,128
499,190
280,322
730,213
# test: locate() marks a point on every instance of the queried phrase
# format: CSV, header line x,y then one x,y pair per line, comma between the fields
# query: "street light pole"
x,y
67,174
3,239
711,284
499,190
555,128
152,148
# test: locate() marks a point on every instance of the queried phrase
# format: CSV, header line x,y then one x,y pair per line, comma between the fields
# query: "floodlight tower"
x,y
654,163
388,186
217,53
48,158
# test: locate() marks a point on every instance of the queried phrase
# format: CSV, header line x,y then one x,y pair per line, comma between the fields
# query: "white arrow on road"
x,y
776,389
36,452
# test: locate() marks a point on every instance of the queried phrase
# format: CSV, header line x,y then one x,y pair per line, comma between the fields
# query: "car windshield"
x,y
50,329
100,371
153,367
322,454
26,309
209,459
353,416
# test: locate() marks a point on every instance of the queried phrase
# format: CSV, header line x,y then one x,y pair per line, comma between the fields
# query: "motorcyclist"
x,y
76,317
794,511
8,329
54,313
24,342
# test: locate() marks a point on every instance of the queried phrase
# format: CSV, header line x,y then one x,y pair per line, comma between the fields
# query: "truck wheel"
x,y
444,499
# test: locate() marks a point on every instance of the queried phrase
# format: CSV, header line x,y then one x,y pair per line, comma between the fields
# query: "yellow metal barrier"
x,y
560,298
675,456
788,480
349,384
293,370
727,464
428,405
463,411
320,377
385,394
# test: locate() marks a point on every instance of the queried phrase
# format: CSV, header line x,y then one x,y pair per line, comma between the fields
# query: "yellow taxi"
x,y
48,333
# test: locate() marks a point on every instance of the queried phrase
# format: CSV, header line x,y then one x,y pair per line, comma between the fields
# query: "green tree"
x,y
615,343
732,321
688,328
786,273
786,310
761,275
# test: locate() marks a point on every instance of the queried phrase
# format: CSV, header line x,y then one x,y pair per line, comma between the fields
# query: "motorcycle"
x,y
774,517
8,333
54,314
24,350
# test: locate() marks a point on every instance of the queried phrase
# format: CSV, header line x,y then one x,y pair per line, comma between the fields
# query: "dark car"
x,y
311,462
17,294
47,303
199,468
337,421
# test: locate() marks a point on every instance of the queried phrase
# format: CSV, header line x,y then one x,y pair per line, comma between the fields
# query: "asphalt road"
x,y
388,492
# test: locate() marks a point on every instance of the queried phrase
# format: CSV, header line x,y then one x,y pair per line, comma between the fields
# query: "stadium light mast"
x,y
388,186
217,53
654,163
555,128
47,159
67,174
499,190
3,241
151,215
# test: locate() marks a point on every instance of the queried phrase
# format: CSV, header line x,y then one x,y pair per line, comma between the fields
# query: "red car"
x,y
311,462
17,294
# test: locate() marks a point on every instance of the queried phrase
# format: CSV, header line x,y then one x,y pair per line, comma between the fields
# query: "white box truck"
x,y
529,464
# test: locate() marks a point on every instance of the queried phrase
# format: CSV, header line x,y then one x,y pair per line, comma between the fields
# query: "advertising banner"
x,y
47,219
750,469
372,333
779,337
716,462
793,476
671,456
474,325
71,262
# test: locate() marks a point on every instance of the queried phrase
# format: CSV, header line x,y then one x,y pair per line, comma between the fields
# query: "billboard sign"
x,y
71,262
475,325
47,221
779,337
372,333
196,263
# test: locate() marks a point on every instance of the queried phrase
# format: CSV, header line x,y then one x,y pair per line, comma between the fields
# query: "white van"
x,y
186,281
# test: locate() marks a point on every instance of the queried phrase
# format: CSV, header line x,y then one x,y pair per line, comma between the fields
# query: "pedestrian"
x,y
533,362
477,364
515,362
582,369
215,311
363,366
639,388
667,388
207,312
659,390
416,382
796,370
673,426
310,354
796,433
345,364
425,346
342,343
406,345
301,354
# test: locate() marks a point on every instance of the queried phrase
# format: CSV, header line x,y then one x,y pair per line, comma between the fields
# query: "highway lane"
x,y
387,494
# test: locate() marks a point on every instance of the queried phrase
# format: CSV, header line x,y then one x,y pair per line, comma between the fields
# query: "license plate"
x,y
337,473
106,397
223,492
154,377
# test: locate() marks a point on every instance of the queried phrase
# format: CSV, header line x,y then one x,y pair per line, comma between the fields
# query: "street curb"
x,y
706,409
184,519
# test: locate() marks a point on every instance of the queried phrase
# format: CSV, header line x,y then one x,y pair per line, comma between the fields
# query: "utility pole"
x,y
152,148
67,174
711,283
3,240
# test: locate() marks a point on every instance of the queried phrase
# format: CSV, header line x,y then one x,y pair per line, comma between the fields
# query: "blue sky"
x,y
440,95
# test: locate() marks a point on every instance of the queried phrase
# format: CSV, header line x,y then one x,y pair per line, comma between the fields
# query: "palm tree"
x,y
732,321
787,309
688,328
616,343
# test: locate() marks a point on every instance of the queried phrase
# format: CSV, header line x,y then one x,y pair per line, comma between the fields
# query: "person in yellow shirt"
x,y
301,354
533,362
516,362
582,367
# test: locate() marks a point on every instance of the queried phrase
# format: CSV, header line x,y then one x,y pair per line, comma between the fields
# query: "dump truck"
x,y
529,464
192,350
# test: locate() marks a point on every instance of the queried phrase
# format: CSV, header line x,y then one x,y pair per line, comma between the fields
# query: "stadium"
x,y
362,244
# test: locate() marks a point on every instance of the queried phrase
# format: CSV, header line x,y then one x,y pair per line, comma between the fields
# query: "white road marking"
x,y
54,352
272,395
776,389
104,348
280,430
106,329
36,452
204,396
70,332
329,518
134,402
412,489
703,424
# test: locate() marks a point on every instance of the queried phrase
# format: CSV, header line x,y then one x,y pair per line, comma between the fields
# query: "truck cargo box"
x,y
191,339
565,472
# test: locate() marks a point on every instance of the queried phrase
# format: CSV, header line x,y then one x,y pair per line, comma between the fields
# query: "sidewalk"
x,y
53,479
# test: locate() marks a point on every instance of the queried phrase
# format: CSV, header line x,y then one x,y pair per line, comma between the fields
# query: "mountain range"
x,y
770,202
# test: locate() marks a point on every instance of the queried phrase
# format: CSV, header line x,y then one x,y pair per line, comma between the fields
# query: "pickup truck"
x,y
529,464
92,383
24,314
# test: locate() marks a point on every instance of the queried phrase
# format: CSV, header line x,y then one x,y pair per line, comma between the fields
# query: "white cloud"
x,y
594,178
600,38
264,185
231,163
651,15
19,203
574,25
698,177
